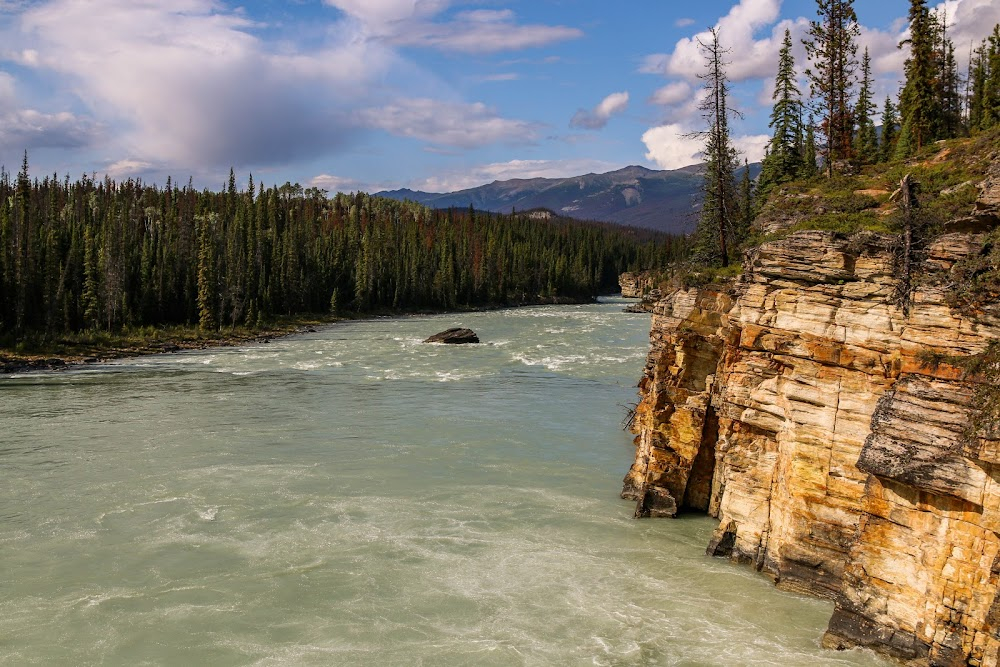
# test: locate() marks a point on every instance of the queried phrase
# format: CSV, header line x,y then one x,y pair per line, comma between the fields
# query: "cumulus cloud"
x,y
598,117
27,129
750,57
129,168
751,146
671,146
448,123
672,93
501,171
410,23
192,85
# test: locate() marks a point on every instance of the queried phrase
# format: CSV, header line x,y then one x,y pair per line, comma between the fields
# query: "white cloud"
x,y
128,168
671,147
410,23
654,63
340,184
672,93
598,117
750,58
27,129
501,171
751,146
190,85
448,123
969,21
501,76
383,14
683,23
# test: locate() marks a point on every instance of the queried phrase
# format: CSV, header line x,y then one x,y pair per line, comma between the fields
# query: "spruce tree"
x,y
866,139
977,84
919,105
783,161
949,85
890,120
208,306
991,85
810,167
832,55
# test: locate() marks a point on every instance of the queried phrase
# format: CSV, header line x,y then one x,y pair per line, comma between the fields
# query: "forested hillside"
x,y
90,255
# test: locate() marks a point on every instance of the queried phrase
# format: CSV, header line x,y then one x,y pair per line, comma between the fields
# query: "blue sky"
x,y
370,94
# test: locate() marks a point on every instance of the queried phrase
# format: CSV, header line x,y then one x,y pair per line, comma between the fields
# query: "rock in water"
x,y
454,336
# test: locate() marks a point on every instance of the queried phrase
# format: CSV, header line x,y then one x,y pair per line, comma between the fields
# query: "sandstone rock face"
x,y
800,410
635,285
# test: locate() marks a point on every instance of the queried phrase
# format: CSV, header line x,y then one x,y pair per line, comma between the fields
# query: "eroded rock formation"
x,y
800,409
635,285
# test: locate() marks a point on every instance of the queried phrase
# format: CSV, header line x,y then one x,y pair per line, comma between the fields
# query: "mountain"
x,y
663,200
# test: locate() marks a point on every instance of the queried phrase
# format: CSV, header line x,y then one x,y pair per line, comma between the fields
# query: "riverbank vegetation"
x,y
131,259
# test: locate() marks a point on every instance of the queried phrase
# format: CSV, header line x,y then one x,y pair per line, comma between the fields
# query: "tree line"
x,y
834,130
99,254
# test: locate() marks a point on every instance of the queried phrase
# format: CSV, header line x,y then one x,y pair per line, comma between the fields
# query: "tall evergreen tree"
x,y
208,295
949,85
747,202
783,161
716,233
919,105
866,138
810,167
832,54
890,122
991,84
977,87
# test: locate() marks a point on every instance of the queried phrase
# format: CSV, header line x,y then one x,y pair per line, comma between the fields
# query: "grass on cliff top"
x,y
947,172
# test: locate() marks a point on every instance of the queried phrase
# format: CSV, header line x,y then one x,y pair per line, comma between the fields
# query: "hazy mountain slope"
x,y
663,200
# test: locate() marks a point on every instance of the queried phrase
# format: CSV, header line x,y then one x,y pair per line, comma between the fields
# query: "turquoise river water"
x,y
356,497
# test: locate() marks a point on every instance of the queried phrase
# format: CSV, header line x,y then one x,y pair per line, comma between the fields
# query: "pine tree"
x,y
833,57
887,147
208,306
919,106
866,139
991,85
977,84
810,168
783,161
747,203
717,226
949,87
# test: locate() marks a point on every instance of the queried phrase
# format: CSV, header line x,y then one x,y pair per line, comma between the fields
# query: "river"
x,y
356,497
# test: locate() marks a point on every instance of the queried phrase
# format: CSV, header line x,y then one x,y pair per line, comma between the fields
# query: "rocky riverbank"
x,y
68,353
800,408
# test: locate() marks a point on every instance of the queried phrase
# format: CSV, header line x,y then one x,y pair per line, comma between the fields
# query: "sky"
x,y
434,95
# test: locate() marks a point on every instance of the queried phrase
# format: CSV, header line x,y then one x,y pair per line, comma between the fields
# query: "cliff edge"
x,y
826,423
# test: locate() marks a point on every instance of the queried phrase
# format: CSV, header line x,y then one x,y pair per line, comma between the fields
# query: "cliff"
x,y
636,285
825,422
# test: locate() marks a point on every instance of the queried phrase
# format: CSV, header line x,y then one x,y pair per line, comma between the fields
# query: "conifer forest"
x,y
105,255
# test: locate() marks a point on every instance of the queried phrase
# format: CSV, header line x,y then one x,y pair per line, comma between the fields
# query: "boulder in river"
x,y
454,336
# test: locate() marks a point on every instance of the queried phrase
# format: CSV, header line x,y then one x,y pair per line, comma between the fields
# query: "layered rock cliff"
x,y
825,422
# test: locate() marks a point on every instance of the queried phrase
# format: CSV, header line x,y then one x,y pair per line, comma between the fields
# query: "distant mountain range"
x,y
664,200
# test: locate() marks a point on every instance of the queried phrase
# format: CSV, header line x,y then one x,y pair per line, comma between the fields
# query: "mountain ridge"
x,y
665,200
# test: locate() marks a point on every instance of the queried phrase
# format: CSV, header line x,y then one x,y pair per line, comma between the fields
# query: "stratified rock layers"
x,y
800,409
